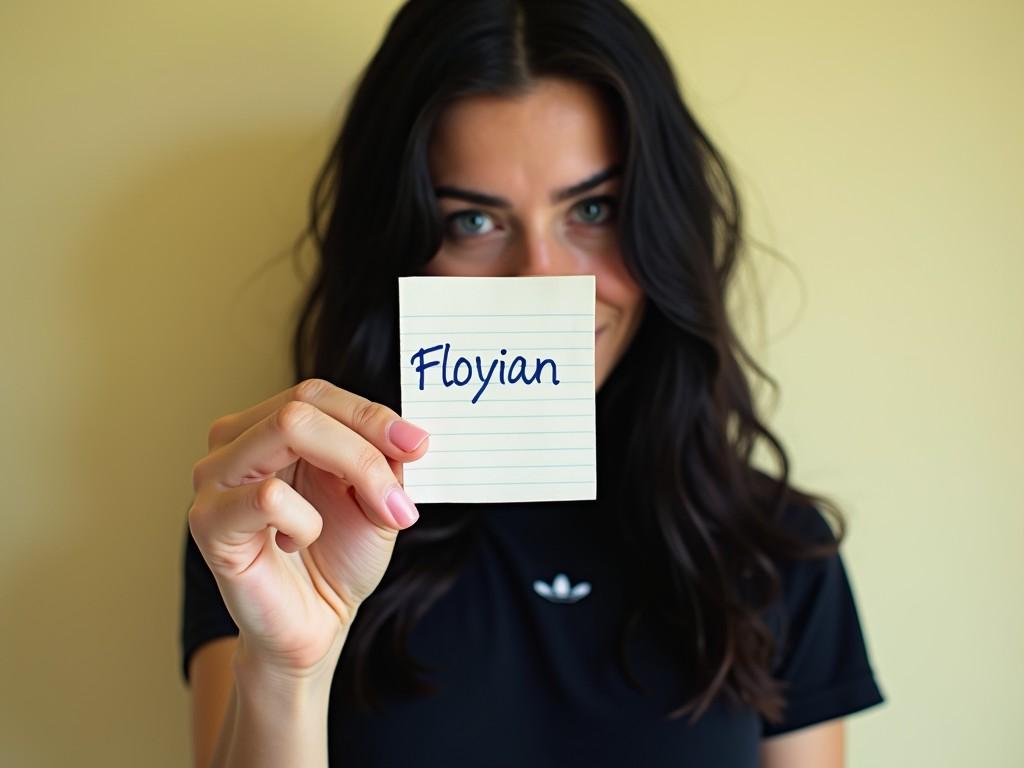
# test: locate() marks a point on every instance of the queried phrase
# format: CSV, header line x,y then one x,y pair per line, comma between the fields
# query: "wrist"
x,y
267,678
279,715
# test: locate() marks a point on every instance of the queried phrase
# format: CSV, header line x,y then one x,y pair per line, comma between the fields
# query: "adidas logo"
x,y
559,590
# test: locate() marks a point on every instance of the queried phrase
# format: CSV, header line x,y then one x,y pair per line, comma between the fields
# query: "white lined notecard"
x,y
500,371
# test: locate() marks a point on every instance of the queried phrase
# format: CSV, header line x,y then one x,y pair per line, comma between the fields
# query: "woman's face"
x,y
528,185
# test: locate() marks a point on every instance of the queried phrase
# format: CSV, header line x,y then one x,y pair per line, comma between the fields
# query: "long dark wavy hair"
x,y
674,445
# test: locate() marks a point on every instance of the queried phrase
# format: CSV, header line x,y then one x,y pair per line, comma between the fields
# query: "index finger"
x,y
392,435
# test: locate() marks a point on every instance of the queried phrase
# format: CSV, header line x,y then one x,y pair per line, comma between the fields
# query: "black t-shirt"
x,y
524,647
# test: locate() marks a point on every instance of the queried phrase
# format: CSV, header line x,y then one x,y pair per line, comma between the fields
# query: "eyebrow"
x,y
557,196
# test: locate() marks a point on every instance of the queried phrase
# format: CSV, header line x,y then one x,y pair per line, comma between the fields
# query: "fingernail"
x,y
401,507
405,435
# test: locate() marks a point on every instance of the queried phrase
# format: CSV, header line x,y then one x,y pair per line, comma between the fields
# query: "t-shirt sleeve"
x,y
822,658
203,613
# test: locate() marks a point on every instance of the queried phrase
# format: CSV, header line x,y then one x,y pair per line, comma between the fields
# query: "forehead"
x,y
555,134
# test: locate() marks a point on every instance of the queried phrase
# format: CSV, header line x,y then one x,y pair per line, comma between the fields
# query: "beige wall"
x,y
155,154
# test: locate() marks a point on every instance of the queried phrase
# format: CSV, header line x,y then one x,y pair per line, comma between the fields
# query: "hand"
x,y
298,504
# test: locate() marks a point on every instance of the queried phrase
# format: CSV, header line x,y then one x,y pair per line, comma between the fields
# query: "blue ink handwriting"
x,y
509,372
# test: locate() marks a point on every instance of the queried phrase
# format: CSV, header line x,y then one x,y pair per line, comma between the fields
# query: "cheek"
x,y
485,259
615,286
439,265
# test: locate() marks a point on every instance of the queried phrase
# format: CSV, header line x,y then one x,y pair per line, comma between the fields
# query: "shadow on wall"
x,y
171,340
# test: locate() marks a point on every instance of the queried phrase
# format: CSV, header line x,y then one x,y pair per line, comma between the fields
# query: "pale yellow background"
x,y
154,155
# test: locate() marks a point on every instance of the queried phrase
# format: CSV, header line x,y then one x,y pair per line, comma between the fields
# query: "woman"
x,y
504,138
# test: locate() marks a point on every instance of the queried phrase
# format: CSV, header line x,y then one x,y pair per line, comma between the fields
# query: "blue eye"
x,y
595,210
470,223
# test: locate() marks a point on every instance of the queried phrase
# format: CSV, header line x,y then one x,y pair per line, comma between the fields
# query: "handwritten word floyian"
x,y
511,371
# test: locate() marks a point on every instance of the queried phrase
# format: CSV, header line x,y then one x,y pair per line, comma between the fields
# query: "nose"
x,y
542,253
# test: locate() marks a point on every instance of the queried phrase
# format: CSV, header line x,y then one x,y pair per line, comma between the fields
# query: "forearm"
x,y
274,719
